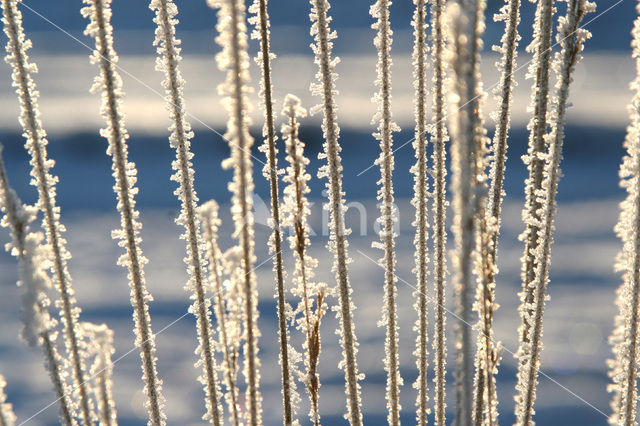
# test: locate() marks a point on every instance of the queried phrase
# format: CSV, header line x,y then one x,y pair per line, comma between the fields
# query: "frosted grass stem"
x,y
235,60
124,173
33,257
260,19
325,87
419,202
439,137
385,127
45,182
571,37
168,62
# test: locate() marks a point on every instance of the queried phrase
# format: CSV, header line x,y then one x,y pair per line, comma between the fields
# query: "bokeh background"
x,y
579,314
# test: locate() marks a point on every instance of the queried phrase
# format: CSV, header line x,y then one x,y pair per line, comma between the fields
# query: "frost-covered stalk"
x,y
210,222
338,244
168,62
419,201
124,173
466,24
510,14
260,20
572,39
439,136
487,355
487,352
33,258
235,60
7,417
100,346
624,339
539,72
386,126
36,144
296,213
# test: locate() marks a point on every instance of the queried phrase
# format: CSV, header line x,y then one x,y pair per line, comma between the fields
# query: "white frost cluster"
x,y
109,83
234,59
338,244
34,258
227,306
7,417
99,346
180,134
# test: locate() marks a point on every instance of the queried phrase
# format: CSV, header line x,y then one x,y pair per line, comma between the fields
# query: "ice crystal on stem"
x,y
124,173
338,244
7,417
36,144
100,347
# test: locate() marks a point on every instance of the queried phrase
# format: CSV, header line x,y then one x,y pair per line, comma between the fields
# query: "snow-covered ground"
x,y
578,318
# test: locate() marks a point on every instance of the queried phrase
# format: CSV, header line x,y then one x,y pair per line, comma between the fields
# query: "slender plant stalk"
x,y
572,39
235,60
100,346
260,19
466,23
7,417
168,62
439,137
624,338
338,244
32,256
36,144
210,223
510,14
539,71
384,120
419,201
124,173
296,212
486,355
